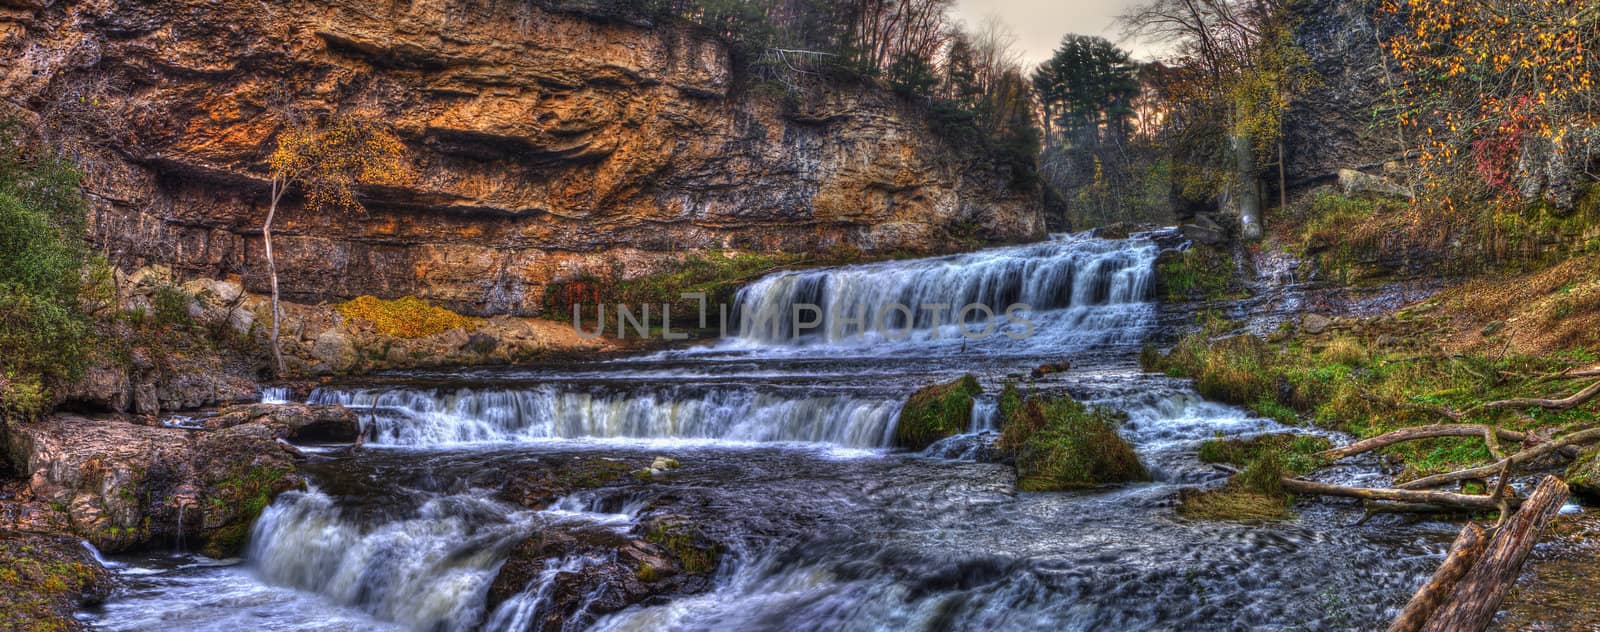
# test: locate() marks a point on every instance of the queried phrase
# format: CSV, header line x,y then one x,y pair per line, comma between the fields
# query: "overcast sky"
x,y
1040,24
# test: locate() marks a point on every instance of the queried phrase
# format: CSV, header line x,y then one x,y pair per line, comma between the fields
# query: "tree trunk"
x,y
1471,502
1249,196
272,273
1477,596
1466,551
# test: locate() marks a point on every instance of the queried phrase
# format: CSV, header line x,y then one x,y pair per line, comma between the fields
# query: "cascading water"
x,y
944,295
438,417
815,536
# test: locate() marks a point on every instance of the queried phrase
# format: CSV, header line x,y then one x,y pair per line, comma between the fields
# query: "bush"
x,y
936,412
407,317
1058,443
43,333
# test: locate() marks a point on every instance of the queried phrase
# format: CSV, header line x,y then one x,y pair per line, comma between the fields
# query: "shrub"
x,y
407,317
1058,443
43,333
936,412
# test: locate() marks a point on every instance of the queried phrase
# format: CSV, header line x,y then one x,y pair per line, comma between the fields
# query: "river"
x,y
783,442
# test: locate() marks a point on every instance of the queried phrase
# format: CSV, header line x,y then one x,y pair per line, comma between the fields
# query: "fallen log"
x,y
1576,399
1464,553
1451,500
1520,458
1425,432
1477,596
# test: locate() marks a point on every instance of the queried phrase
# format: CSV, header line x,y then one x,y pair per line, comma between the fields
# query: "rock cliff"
x,y
546,145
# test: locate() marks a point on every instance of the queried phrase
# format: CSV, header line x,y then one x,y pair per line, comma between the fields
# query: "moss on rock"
x,y
1058,443
43,578
1583,475
936,412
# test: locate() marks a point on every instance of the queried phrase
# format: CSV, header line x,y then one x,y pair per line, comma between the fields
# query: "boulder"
x,y
44,578
125,487
334,349
1353,183
604,571
1315,323
1058,443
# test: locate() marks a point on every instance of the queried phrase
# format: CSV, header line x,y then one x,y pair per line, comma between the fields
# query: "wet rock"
x,y
1049,368
44,578
536,486
123,486
936,412
601,571
294,422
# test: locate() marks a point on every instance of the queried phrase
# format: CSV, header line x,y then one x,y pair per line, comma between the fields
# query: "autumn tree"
x,y
326,163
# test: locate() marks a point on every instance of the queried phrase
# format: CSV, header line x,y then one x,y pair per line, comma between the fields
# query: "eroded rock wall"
x,y
545,144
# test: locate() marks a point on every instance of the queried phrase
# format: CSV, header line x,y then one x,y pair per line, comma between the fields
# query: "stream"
x,y
783,439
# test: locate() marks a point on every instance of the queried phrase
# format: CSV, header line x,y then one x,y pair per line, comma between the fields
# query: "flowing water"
x,y
783,433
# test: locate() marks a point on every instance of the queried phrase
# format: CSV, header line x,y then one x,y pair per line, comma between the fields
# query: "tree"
x,y
1490,84
327,163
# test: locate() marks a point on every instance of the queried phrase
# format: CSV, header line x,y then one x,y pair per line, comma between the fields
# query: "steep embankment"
x,y
547,145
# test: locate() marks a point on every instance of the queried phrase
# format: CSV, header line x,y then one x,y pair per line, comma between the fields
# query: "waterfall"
x,y
428,571
404,416
1071,272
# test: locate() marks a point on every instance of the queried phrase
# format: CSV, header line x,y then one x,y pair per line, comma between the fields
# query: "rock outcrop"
x,y
1338,126
546,145
43,578
124,486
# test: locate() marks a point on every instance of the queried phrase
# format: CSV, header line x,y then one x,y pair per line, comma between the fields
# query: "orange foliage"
x,y
1487,76
329,161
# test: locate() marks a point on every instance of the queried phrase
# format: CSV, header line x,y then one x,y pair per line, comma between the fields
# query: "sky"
x,y
1040,24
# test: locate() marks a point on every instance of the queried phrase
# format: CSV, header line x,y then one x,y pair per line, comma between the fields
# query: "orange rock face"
x,y
546,145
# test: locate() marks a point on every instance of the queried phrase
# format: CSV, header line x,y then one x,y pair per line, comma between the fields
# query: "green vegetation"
x,y
1199,273
405,317
1347,384
1256,492
1583,475
1058,443
686,543
43,333
42,579
936,412
241,498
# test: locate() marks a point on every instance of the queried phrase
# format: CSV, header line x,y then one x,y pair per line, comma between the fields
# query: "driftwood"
x,y
1468,547
1476,597
1451,500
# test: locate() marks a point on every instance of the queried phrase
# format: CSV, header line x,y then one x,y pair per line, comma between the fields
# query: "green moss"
x,y
42,579
1058,443
694,552
1199,273
936,412
1583,475
236,502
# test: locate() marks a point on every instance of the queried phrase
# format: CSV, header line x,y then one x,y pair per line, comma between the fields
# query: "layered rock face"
x,y
546,145
1340,125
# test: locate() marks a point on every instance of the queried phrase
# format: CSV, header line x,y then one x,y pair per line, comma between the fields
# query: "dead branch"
x,y
1466,550
1477,596
1427,432
1450,500
1576,399
1516,460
